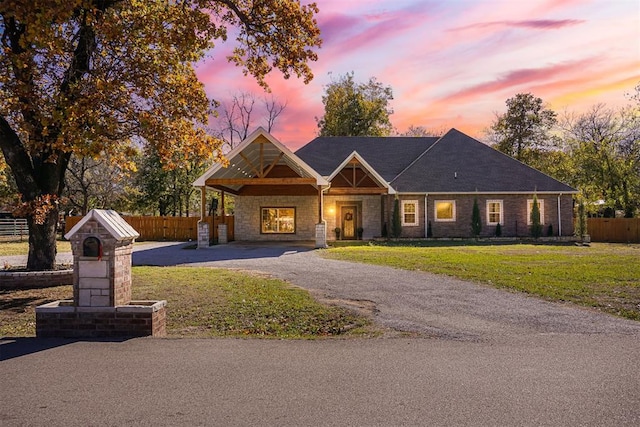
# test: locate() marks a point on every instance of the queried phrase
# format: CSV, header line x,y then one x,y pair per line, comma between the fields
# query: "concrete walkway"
x,y
479,356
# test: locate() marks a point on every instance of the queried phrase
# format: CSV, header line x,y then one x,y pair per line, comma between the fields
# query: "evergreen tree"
x,y
536,226
476,222
396,225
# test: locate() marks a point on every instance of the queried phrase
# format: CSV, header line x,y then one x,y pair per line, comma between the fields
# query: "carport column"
x,y
203,225
321,226
222,234
321,235
203,234
222,228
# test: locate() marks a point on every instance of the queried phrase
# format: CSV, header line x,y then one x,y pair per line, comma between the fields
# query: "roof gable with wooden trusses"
x,y
260,160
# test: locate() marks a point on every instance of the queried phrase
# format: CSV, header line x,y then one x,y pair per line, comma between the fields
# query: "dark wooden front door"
x,y
349,215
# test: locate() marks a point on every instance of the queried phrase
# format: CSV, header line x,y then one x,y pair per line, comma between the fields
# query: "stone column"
x,y
222,234
203,234
321,235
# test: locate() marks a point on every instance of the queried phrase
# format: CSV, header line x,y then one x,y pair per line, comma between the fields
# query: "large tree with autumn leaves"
x,y
96,77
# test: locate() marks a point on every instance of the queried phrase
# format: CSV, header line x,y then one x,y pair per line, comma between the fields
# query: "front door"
x,y
349,215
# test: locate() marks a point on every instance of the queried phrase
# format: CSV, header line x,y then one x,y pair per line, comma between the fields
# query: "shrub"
x,y
498,230
476,223
536,226
396,225
550,231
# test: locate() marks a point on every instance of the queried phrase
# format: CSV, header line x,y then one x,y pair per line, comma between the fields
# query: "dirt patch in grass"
x,y
18,308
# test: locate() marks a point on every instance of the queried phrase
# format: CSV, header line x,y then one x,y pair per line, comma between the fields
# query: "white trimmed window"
x,y
409,212
494,212
530,208
278,220
445,210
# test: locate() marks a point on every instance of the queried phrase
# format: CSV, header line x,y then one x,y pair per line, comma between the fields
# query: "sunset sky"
x,y
454,63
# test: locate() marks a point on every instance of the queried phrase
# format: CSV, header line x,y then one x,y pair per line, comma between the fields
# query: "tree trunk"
x,y
42,242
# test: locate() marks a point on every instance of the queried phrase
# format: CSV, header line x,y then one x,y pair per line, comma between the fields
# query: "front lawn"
x,y
22,248
605,276
204,302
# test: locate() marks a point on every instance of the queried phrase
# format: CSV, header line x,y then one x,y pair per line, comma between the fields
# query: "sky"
x,y
454,63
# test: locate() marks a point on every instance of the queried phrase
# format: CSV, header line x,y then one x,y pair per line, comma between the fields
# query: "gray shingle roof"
x,y
454,163
457,163
387,155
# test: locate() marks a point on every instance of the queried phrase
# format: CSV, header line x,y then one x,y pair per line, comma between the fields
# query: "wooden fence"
x,y
168,228
13,227
614,230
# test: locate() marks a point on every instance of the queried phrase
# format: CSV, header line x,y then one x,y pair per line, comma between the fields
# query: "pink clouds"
x,y
540,24
453,64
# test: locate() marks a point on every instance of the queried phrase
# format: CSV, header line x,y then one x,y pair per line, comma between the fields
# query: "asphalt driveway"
x,y
477,356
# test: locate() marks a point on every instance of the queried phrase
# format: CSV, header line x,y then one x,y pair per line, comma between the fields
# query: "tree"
x,y
524,128
87,77
476,222
604,147
356,109
8,189
420,131
96,184
237,117
396,223
168,191
536,225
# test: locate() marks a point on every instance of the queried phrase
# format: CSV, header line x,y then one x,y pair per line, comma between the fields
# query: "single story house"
x,y
351,183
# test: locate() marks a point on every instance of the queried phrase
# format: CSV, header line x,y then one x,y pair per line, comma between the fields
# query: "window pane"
x,y
278,220
495,210
444,210
286,221
269,221
410,212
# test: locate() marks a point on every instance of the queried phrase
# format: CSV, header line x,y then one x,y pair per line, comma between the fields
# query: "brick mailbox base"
x,y
137,319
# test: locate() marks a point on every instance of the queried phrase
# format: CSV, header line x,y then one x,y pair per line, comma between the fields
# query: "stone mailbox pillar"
x,y
102,244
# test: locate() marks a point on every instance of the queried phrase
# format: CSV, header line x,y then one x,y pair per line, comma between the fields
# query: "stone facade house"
x,y
350,184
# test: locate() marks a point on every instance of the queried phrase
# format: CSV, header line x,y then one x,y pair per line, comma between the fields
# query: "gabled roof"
x,y
246,156
457,163
387,155
110,220
372,172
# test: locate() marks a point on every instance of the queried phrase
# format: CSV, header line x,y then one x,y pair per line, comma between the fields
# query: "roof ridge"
x,y
420,156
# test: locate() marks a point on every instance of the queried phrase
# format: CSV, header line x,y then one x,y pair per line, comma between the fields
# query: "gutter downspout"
x,y
426,214
559,217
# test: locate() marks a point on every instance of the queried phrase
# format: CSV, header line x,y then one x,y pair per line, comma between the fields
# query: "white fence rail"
x,y
13,227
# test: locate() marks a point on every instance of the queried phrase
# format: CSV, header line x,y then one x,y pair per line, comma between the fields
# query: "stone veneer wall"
x,y
248,217
369,215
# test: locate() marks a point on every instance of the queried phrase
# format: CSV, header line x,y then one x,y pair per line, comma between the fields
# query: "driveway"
x,y
477,356
408,301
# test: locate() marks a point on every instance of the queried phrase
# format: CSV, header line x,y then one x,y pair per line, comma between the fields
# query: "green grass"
x,y
605,276
205,302
22,248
